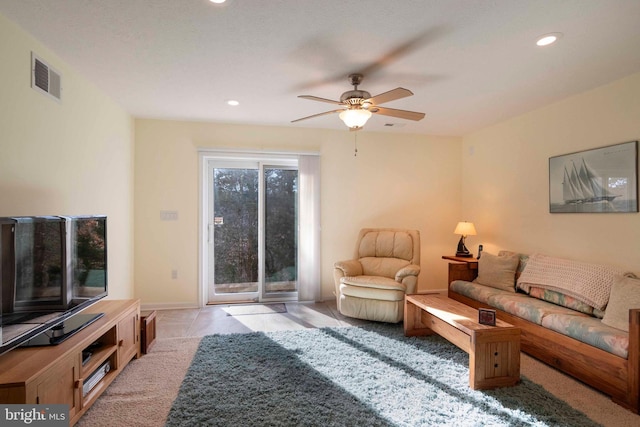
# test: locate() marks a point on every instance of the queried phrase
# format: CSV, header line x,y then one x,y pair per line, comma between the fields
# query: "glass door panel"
x,y
281,231
235,232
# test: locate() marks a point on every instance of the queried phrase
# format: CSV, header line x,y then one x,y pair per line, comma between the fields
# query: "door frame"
x,y
205,200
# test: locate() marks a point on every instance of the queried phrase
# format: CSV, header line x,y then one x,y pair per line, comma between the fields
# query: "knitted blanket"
x,y
586,282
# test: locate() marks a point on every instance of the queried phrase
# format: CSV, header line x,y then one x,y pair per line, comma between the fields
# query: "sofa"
x,y
581,318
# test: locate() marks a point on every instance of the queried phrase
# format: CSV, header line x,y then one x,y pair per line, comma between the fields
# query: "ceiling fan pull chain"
x,y
355,144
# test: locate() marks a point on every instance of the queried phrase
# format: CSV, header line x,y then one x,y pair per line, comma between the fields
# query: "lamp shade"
x,y
355,118
465,229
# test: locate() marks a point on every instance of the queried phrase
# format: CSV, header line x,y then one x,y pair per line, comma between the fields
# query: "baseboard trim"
x,y
186,305
167,306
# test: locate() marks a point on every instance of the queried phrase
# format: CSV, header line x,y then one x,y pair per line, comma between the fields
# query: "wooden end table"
x,y
464,268
494,351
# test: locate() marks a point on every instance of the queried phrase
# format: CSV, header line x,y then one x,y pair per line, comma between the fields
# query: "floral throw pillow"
x,y
560,299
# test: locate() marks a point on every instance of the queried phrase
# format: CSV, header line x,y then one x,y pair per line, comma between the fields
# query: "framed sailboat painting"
x,y
601,180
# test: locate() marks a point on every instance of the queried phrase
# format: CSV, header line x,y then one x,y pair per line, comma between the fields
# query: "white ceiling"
x,y
470,63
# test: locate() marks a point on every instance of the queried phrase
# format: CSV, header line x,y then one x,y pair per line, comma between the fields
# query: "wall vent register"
x,y
45,79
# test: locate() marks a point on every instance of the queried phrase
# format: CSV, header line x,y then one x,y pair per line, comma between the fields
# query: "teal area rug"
x,y
351,376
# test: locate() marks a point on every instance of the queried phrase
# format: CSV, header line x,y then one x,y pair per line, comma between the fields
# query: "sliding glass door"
x,y
252,231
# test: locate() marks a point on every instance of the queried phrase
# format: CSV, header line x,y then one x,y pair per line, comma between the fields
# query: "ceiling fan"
x,y
358,105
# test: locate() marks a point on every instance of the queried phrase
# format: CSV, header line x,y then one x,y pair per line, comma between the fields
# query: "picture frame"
x,y
599,180
487,316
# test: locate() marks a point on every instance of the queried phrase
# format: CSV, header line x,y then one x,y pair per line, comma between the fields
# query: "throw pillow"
x,y
559,298
625,295
522,260
498,271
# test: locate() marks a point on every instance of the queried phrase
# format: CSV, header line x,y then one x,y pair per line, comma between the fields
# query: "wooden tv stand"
x,y
55,374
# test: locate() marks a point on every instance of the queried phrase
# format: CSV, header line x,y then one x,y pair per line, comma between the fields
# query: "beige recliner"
x,y
385,267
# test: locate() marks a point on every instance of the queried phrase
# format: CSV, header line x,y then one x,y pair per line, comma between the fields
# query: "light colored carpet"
x,y
143,393
351,376
596,405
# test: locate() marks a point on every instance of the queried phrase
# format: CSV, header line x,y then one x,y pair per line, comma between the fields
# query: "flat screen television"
x,y
51,267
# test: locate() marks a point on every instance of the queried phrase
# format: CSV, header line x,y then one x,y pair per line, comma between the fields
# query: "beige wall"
x,y
69,158
505,178
395,181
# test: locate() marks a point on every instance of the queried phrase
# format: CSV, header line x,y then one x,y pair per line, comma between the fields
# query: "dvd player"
x,y
95,377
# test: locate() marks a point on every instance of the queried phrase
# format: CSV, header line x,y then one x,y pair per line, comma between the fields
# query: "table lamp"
x,y
464,229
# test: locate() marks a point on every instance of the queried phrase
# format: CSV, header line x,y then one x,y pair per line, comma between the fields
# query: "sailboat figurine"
x,y
462,250
584,186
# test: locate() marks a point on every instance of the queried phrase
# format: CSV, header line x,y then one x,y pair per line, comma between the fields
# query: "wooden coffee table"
x,y
494,351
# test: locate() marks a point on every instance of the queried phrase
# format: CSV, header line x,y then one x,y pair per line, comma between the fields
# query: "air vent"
x,y
45,79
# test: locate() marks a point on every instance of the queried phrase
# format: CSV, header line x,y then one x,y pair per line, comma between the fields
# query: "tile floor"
x,y
215,320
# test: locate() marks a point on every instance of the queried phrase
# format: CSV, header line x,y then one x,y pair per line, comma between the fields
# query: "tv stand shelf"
x,y
56,374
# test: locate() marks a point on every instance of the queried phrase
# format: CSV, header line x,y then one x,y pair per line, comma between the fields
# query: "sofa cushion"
x,y
475,291
625,295
591,331
498,271
525,307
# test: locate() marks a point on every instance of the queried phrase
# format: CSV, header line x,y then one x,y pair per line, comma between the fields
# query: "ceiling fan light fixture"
x,y
355,118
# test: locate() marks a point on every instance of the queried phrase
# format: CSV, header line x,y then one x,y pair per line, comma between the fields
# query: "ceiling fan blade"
x,y
315,50
402,114
318,115
403,49
391,95
315,98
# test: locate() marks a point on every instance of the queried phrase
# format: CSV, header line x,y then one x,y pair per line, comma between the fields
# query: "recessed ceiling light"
x,y
217,1
233,102
548,39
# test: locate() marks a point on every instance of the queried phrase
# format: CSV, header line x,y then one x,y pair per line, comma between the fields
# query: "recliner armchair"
x,y
385,268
